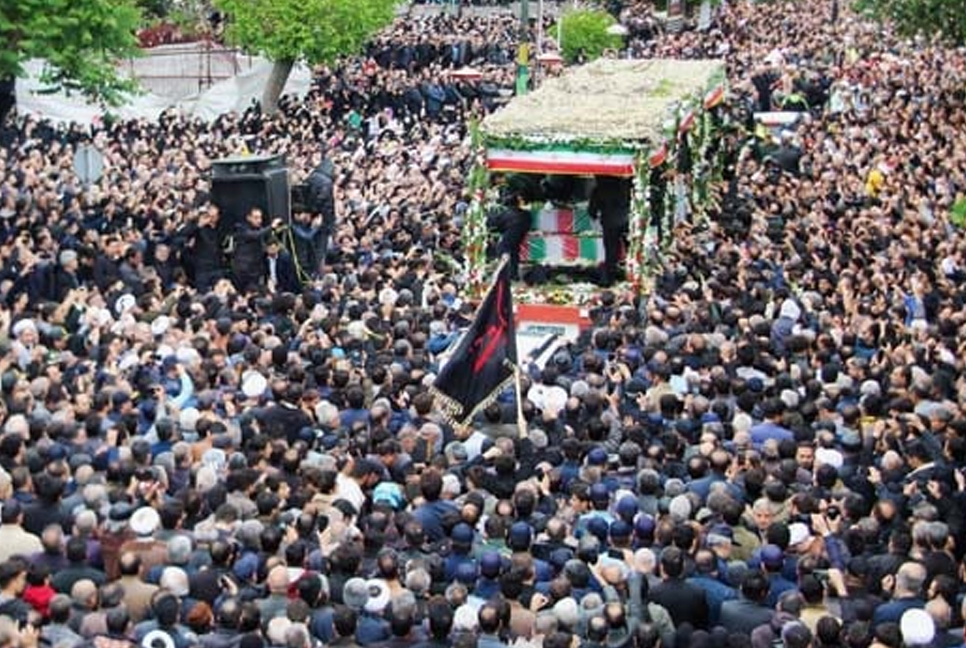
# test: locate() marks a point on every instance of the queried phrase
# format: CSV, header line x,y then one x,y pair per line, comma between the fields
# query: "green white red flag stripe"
x,y
551,219
714,97
560,162
562,248
687,122
658,156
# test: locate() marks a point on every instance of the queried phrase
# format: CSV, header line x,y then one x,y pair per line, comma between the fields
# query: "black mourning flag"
x,y
483,363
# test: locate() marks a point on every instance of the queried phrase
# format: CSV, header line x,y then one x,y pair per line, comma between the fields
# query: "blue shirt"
x,y
371,629
779,585
892,611
430,516
766,430
716,593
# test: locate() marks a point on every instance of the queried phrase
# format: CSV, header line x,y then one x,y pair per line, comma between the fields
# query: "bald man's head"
x,y
84,593
910,579
278,580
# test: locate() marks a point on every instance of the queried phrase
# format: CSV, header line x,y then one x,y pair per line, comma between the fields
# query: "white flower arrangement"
x,y
607,100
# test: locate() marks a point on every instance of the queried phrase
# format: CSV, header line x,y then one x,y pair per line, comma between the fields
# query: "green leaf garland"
x,y
475,232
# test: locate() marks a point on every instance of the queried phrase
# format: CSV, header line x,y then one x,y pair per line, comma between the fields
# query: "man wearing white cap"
x,y
918,628
25,339
152,552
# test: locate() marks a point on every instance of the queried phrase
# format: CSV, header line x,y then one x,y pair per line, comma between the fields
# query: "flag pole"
x,y
475,374
517,380
521,421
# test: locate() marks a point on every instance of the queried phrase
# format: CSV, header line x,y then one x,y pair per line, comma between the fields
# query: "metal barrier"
x,y
180,70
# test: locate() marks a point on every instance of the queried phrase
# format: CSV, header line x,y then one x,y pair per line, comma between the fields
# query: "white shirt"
x,y
346,488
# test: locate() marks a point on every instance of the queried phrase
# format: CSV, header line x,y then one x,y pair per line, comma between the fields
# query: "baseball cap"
x,y
462,533
597,457
627,507
620,529
388,493
772,556
520,536
598,527
490,564
466,573
599,492
644,525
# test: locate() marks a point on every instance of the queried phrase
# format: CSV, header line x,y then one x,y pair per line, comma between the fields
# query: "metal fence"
x,y
180,70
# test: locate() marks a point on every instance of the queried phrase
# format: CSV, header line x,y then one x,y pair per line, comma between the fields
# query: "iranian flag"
x,y
554,219
658,156
551,219
714,97
686,123
565,162
562,249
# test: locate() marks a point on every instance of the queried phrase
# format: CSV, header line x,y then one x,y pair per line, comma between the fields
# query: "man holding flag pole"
x,y
485,361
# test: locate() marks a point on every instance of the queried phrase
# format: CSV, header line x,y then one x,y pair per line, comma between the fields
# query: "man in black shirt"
x,y
685,602
248,259
513,222
206,250
611,203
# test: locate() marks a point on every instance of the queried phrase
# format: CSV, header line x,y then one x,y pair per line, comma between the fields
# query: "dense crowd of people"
x,y
768,450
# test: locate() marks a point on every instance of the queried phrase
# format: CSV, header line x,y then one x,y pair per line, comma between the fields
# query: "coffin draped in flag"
x,y
484,362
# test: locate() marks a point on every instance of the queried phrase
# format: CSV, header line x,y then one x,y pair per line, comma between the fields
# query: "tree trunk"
x,y
275,84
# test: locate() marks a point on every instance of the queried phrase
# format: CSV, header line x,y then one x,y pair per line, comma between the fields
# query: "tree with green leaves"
x,y
946,18
584,32
79,40
317,31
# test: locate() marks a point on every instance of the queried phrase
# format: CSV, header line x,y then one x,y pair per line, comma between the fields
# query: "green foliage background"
x,y
320,31
81,40
927,17
586,29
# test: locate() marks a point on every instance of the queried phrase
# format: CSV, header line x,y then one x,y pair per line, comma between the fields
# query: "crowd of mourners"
x,y
767,450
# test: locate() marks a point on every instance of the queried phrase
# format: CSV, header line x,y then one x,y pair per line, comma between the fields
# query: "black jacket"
x,y
285,273
743,615
320,185
685,602
611,201
249,248
283,421
206,251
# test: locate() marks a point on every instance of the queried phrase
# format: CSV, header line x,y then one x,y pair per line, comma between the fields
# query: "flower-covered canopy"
x,y
624,118
595,117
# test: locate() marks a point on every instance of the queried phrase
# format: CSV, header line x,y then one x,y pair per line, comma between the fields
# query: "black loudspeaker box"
x,y
240,184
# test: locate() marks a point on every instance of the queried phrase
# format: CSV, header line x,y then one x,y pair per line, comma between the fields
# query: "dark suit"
x,y
686,603
611,203
286,276
513,223
206,255
248,260
743,616
892,611
107,272
716,594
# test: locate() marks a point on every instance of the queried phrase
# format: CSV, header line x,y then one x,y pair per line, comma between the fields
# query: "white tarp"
x,y
181,70
234,94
